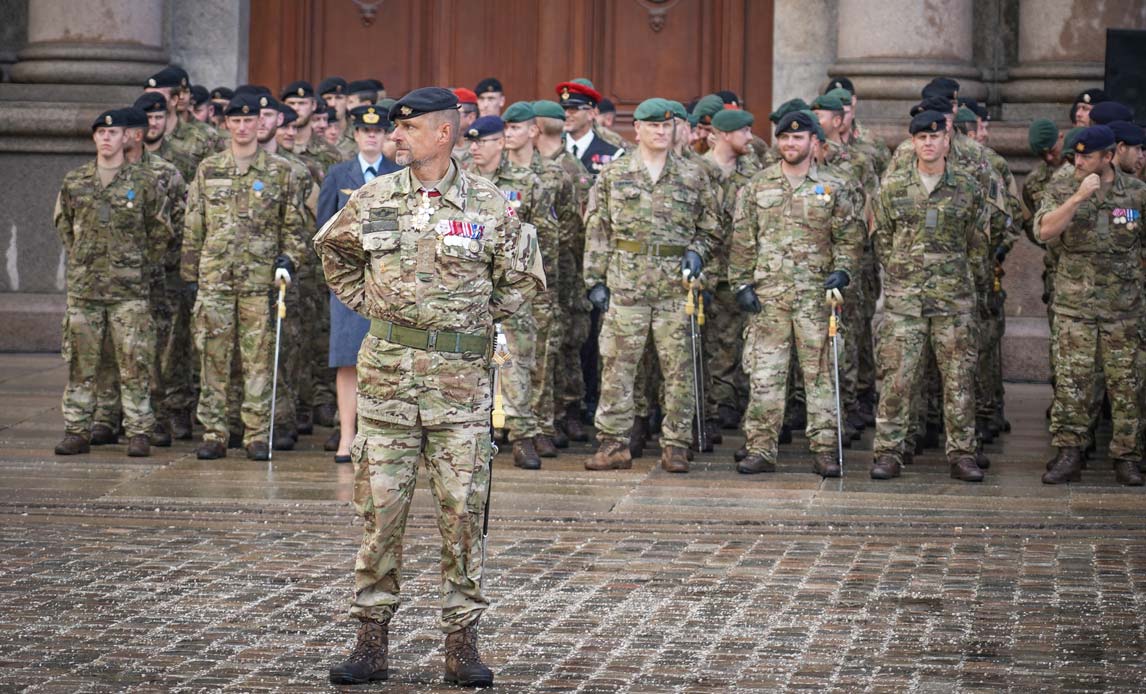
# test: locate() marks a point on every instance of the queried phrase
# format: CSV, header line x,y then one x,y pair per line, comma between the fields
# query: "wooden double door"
x,y
630,49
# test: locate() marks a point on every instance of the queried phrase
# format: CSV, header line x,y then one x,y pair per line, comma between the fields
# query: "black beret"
x,y
1110,111
321,109
422,101
840,83
606,106
267,101
941,86
298,90
115,118
1091,96
1096,138
135,117
359,86
151,102
795,122
728,96
1126,133
368,116
243,105
486,125
929,121
378,86
222,93
977,108
332,85
289,114
933,103
184,78
168,77
199,95
489,84
255,89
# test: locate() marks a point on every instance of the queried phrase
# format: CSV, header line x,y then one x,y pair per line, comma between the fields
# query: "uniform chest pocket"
x,y
381,221
816,210
381,241
263,199
468,250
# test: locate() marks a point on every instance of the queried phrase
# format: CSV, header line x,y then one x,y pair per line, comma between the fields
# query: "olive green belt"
x,y
661,250
429,340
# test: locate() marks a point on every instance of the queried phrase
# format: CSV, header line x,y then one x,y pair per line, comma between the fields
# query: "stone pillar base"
x,y
889,88
1039,89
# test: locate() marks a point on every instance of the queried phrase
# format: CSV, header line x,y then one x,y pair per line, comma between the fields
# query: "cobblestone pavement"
x,y
173,574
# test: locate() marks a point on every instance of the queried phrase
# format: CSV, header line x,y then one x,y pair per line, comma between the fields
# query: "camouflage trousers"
x,y
624,332
521,421
1079,344
726,383
316,377
648,384
386,457
862,331
292,362
570,377
218,319
989,369
178,363
108,409
851,324
543,379
786,331
88,325
901,357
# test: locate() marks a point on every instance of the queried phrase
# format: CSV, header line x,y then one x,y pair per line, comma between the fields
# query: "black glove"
x,y
599,296
837,280
1000,253
284,263
190,291
691,264
747,301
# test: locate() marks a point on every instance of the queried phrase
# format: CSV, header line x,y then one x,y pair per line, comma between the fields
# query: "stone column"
x,y
1062,48
891,48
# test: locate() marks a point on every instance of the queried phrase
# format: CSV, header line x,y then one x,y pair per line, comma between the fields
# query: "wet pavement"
x,y
172,574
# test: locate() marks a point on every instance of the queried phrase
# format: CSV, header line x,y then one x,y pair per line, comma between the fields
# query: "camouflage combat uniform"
x,y
237,224
933,250
115,238
1034,186
785,242
421,266
637,231
1098,311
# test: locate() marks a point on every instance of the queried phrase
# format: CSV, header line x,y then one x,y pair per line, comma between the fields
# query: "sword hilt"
x,y
282,300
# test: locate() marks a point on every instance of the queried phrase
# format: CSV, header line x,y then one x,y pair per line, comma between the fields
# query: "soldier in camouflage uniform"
x,y
468,108
554,238
651,217
433,256
173,189
930,242
523,379
1093,215
114,226
245,218
570,387
1046,143
794,234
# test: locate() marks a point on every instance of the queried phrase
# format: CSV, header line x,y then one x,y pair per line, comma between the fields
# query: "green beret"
x,y
654,110
708,107
518,112
729,120
1071,138
584,82
786,108
840,93
678,110
548,109
966,115
693,119
828,103
817,129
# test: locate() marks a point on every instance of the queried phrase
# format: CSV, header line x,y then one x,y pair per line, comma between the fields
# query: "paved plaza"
x,y
169,574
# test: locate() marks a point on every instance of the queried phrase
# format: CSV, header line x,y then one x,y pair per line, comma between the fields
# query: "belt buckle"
x,y
431,340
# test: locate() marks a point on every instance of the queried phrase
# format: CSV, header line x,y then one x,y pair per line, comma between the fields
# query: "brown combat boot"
x,y
1127,474
963,467
103,435
754,463
73,444
1066,467
612,454
573,426
885,467
638,437
258,450
211,449
545,446
674,459
139,446
525,455
368,662
463,662
826,464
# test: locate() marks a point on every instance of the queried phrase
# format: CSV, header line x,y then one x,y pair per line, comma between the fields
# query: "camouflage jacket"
x,y
186,146
932,247
174,187
563,193
1099,269
728,184
785,241
533,203
626,207
237,224
318,155
873,146
115,237
209,133
1034,186
582,179
765,155
852,160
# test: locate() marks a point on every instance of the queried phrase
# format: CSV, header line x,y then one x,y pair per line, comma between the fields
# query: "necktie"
x,y
575,152
371,171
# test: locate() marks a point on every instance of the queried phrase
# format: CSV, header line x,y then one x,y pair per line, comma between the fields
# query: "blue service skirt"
x,y
347,330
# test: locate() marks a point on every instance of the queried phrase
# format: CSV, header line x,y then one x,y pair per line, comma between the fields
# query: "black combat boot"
x,y
560,438
463,662
181,426
1066,467
729,417
368,662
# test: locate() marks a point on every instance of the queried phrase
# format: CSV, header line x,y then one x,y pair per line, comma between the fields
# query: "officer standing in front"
x,y
433,256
